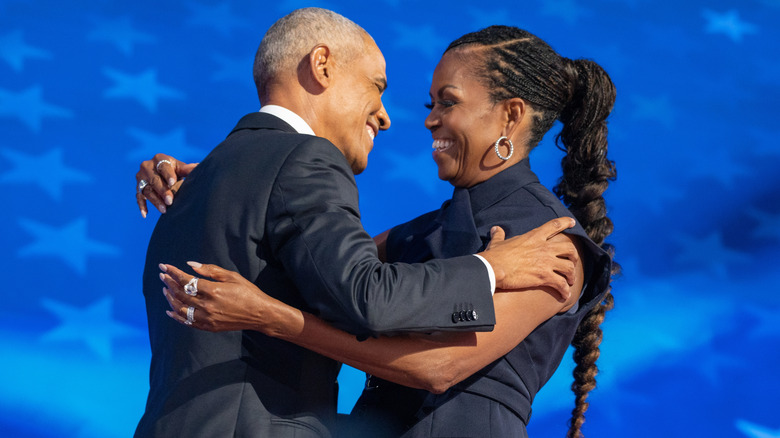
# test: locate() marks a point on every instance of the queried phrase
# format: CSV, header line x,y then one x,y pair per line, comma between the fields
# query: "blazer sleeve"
x,y
313,225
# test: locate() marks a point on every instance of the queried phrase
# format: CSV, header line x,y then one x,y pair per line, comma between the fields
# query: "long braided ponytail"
x,y
586,175
581,95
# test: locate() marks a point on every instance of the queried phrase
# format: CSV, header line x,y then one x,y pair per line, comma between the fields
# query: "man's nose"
x,y
384,119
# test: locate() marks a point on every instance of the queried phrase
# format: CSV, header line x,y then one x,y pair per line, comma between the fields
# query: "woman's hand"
x,y
225,302
158,180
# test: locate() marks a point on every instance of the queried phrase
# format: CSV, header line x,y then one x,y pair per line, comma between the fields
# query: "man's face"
x,y
357,110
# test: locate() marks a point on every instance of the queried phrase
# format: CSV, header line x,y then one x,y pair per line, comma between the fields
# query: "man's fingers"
x,y
562,289
566,269
556,226
497,234
563,247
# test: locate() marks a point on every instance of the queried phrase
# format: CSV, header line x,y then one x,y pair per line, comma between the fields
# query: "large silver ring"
x,y
141,184
191,288
190,315
157,167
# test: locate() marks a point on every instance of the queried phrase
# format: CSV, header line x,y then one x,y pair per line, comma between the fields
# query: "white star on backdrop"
x,y
94,325
119,32
29,107
68,243
14,50
728,23
142,87
46,171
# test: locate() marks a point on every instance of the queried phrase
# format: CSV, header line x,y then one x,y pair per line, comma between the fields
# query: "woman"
x,y
495,93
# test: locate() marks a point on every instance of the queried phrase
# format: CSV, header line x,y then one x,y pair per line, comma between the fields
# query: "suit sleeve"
x,y
314,228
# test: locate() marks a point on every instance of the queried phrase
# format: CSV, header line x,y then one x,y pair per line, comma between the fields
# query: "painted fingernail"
x,y
168,199
165,291
195,264
162,277
171,181
162,209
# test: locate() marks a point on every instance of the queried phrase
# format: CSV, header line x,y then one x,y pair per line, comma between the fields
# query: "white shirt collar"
x,y
290,117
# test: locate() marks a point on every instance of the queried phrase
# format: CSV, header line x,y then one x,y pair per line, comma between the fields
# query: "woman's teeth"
x,y
442,145
370,132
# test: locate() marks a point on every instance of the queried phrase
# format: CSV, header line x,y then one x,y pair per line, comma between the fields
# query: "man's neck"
x,y
290,117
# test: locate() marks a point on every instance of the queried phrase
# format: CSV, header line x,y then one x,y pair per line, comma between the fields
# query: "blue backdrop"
x,y
89,88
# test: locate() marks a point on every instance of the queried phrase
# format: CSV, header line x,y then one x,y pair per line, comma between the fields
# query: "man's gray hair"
x,y
293,36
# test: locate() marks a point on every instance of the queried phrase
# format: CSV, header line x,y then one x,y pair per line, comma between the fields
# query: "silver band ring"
x,y
157,167
191,288
141,184
190,315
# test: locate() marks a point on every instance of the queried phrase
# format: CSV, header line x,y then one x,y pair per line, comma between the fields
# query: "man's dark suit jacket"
x,y
281,208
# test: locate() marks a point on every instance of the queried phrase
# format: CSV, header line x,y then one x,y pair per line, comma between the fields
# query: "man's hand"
x,y
536,259
158,180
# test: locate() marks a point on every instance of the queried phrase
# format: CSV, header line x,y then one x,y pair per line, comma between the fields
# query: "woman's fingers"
x,y
217,273
183,279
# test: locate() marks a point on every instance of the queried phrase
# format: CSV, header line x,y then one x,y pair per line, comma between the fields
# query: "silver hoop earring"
x,y
511,148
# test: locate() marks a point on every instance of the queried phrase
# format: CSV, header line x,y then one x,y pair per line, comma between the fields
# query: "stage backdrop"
x,y
90,88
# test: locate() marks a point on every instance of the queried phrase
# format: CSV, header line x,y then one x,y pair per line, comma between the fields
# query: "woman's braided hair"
x,y
579,93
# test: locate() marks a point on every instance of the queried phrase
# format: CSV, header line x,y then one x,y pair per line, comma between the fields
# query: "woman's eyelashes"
x,y
444,103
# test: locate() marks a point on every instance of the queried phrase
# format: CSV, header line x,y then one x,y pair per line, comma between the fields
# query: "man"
x,y
279,205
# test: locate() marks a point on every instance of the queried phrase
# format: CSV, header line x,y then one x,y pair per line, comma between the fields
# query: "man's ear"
x,y
321,65
517,110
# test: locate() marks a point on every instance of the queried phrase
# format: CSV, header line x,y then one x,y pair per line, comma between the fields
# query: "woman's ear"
x,y
516,113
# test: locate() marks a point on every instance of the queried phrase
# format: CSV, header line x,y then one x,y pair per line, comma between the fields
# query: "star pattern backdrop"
x,y
90,88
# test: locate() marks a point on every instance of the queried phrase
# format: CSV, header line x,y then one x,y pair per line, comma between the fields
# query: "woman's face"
x,y
464,123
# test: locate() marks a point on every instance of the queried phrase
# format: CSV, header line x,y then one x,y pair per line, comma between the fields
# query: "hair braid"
x,y
516,63
586,175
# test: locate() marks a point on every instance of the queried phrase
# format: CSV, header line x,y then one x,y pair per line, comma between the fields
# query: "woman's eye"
x,y
444,103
